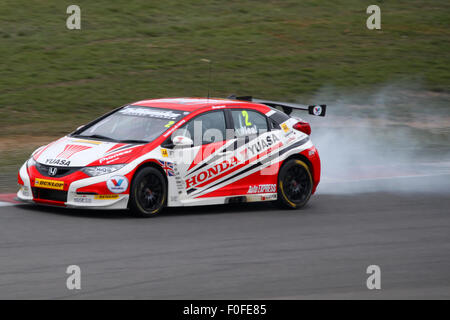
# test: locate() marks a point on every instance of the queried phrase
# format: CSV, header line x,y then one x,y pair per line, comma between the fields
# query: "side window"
x,y
206,128
248,122
274,125
277,118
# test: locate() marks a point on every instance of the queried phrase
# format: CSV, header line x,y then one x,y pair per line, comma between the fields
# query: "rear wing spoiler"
x,y
315,110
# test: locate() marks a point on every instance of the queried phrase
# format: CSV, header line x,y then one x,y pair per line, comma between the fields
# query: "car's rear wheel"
x,y
148,193
294,184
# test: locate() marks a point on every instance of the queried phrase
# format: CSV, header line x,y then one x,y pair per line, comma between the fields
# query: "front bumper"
x,y
73,197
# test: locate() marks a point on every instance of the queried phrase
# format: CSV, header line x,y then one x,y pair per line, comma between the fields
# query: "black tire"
x,y
294,184
148,193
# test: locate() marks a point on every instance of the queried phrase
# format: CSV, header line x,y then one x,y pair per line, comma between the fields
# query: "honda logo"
x,y
52,171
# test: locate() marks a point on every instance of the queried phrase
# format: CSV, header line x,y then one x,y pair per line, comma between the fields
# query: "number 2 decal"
x,y
169,124
245,115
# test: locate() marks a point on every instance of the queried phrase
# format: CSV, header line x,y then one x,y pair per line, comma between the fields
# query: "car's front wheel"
x,y
148,193
294,184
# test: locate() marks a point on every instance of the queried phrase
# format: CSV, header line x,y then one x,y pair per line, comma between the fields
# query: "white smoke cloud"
x,y
394,139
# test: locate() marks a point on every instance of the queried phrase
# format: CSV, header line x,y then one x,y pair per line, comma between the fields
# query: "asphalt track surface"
x,y
247,251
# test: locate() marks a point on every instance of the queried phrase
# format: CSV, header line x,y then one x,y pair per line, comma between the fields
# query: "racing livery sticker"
x,y
49,184
82,199
106,196
87,141
263,188
178,179
167,167
112,158
117,184
317,110
211,172
152,113
269,197
70,150
59,162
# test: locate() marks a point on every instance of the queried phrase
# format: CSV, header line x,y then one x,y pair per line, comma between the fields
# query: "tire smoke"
x,y
394,139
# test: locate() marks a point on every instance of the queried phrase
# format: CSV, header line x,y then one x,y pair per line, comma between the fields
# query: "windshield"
x,y
133,124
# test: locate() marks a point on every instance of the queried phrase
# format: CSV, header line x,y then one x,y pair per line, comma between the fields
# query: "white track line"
x,y
7,204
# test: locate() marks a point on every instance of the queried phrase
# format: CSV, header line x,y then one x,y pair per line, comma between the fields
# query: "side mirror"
x,y
182,141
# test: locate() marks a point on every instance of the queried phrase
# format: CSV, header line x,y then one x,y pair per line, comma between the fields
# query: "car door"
x,y
255,140
201,164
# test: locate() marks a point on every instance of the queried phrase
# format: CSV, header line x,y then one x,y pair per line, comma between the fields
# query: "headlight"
x,y
98,171
31,162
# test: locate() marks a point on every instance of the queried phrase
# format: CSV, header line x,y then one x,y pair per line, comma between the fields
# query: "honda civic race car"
x,y
150,154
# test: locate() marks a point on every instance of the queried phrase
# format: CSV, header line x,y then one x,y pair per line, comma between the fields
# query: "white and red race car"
x,y
178,152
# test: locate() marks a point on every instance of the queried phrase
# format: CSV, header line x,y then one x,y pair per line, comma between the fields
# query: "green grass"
x,y
53,79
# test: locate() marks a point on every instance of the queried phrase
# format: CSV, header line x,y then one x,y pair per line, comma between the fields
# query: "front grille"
x,y
60,171
49,194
